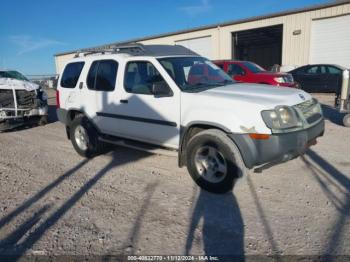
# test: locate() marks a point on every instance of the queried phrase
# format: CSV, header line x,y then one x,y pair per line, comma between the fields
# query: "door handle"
x,y
124,101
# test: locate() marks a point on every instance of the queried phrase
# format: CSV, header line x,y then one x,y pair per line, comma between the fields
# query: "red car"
x,y
249,72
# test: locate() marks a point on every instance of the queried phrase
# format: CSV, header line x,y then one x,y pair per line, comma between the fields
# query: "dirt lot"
x,y
52,201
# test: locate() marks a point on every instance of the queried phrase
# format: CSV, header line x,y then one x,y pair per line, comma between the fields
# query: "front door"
x,y
141,114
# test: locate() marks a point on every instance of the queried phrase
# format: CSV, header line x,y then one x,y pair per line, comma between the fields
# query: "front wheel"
x,y
346,120
214,161
84,137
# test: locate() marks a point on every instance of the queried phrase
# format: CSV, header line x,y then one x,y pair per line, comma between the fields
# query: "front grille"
x,y
25,99
310,110
6,99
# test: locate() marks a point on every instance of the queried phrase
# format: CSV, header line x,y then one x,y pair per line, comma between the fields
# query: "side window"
x,y
322,70
312,70
140,76
169,68
334,70
102,75
234,69
71,74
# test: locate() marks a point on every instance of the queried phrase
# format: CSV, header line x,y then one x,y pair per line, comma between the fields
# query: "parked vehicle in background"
x,y
168,98
320,78
249,72
282,68
21,101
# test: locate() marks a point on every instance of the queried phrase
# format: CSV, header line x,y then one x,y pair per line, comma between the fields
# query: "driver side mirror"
x,y
161,89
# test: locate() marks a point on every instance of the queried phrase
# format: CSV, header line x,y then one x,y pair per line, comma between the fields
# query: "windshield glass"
x,y
13,75
253,67
195,74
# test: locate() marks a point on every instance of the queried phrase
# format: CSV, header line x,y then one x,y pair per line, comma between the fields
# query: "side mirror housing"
x,y
161,89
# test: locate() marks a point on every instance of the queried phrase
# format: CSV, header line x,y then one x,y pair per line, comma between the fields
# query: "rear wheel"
x,y
213,161
84,137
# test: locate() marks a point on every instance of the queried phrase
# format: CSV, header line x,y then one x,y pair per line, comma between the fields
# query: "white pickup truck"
x,y
21,101
153,97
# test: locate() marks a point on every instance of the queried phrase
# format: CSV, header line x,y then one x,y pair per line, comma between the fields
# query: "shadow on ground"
x,y
332,114
222,230
336,186
31,230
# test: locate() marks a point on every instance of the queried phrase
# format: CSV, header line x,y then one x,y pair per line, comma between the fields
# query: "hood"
x,y
9,83
263,96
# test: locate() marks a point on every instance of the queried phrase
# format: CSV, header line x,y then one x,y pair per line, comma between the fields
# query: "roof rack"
x,y
136,49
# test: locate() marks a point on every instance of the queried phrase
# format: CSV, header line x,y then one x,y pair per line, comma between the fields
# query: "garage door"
x,y
202,46
330,41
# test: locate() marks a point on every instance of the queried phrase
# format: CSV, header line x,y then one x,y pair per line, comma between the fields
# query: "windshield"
x,y
13,75
194,74
253,67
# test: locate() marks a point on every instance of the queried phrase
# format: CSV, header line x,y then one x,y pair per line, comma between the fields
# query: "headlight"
x,y
317,109
2,114
279,79
282,117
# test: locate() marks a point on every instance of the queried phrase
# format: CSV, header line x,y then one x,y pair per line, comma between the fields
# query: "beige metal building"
x,y
318,34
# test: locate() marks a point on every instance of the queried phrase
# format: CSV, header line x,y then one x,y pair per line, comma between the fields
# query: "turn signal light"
x,y
259,136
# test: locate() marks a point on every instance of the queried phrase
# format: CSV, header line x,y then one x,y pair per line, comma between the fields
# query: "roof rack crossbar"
x,y
136,49
132,49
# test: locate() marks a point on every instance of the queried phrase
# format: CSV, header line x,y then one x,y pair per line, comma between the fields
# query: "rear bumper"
x,y
278,148
62,115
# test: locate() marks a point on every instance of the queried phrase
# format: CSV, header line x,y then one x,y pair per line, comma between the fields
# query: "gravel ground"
x,y
54,202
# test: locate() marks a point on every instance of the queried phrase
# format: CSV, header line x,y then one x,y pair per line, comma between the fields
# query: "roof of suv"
x,y
140,50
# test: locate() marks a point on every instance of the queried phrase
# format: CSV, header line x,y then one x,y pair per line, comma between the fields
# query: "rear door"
x,y
101,92
334,79
310,79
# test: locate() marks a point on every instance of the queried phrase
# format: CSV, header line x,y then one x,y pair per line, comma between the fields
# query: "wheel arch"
x,y
191,129
72,114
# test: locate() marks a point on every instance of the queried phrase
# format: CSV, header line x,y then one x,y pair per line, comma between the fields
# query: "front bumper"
x,y
16,118
278,148
18,107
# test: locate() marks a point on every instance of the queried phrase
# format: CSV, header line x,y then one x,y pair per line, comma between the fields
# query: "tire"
x,y
90,146
346,120
43,120
200,158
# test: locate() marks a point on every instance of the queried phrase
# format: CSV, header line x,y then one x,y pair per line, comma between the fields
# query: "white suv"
x,y
167,97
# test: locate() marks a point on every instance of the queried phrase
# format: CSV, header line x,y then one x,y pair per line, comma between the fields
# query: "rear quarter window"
x,y
71,74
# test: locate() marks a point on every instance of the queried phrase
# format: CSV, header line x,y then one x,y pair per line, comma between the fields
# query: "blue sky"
x,y
31,32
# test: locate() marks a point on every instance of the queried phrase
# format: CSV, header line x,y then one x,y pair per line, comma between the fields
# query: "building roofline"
x,y
228,23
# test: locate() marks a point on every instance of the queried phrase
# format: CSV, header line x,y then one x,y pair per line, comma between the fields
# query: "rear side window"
x,y
71,74
334,70
234,69
102,75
